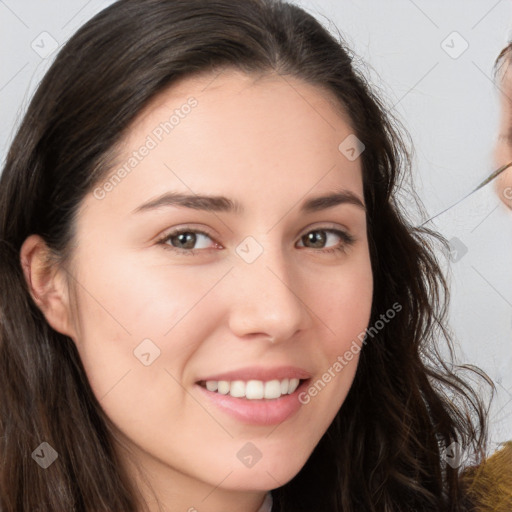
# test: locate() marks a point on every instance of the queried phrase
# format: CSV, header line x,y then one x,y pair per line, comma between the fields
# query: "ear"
x,y
47,284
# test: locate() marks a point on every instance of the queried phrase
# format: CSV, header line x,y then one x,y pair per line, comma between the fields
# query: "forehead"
x,y
233,98
228,82
244,135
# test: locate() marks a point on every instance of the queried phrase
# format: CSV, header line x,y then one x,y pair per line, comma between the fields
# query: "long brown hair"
x,y
384,449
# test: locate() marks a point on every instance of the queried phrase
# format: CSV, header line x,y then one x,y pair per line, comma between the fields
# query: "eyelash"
x,y
347,240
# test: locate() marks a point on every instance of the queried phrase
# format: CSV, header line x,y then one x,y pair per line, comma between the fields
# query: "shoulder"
x,y
489,485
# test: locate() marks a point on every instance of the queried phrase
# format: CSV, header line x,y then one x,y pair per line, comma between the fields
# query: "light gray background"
x,y
449,106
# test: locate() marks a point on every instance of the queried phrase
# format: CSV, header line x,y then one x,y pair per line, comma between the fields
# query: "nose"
x,y
269,299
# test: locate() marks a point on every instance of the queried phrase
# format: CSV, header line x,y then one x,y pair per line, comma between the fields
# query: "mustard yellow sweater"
x,y
490,484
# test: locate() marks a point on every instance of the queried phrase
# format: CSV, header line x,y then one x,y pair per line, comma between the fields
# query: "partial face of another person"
x,y
503,149
252,293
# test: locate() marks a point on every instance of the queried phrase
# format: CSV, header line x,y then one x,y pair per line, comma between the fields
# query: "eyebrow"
x,y
211,203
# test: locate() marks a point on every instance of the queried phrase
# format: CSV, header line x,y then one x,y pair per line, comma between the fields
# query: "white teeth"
x,y
212,385
237,389
272,389
293,385
254,389
223,387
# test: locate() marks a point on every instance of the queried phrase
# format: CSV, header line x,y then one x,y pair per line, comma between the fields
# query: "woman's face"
x,y
277,288
503,149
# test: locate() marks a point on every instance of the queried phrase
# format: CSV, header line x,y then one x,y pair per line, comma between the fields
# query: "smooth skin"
x,y
270,143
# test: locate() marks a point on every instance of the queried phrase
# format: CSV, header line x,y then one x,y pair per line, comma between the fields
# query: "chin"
x,y
264,476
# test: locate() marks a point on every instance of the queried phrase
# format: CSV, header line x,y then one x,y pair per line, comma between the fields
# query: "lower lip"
x,y
258,412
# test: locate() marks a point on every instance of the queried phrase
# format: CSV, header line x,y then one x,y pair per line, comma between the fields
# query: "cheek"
x,y
132,297
344,305
125,314
135,339
347,300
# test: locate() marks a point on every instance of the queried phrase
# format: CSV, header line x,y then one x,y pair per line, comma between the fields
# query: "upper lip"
x,y
261,373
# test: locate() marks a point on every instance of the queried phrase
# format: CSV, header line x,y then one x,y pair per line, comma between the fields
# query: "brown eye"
x,y
187,241
318,238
